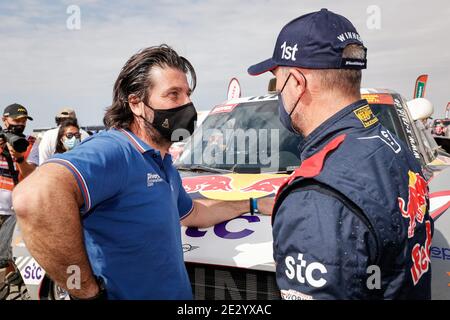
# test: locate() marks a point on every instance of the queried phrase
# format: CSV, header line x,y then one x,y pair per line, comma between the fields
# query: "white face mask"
x,y
71,143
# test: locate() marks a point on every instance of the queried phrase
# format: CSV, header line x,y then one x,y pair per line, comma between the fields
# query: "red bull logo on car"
x,y
266,185
207,183
234,186
416,207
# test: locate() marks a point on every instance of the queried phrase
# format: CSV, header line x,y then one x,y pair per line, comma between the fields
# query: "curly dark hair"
x,y
135,78
69,122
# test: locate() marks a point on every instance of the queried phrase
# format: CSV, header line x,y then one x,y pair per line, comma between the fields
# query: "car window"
x,y
249,137
246,137
389,119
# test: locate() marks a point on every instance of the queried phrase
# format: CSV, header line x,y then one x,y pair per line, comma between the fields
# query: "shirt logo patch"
x,y
366,116
153,178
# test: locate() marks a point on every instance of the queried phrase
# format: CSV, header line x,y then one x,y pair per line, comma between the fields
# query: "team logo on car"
x,y
366,116
153,178
207,183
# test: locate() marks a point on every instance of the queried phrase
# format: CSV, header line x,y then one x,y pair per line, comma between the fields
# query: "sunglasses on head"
x,y
70,135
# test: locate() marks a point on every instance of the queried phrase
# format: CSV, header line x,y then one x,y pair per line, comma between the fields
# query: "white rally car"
x,y
233,260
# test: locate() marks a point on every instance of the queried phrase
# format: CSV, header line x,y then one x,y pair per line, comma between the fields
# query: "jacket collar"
x,y
348,117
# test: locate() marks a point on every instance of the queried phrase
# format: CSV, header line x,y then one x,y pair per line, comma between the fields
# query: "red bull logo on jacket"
x,y
421,257
415,208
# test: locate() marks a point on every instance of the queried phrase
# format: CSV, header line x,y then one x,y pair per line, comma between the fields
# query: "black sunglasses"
x,y
70,135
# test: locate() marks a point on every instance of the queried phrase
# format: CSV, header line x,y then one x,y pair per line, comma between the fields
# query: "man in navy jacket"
x,y
352,221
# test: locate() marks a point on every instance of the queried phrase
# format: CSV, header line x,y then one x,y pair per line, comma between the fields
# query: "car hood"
x,y
244,242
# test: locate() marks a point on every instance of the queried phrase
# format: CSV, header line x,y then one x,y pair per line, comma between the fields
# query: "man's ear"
x,y
300,78
136,105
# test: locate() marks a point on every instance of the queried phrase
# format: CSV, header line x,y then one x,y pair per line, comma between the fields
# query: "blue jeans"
x,y
6,234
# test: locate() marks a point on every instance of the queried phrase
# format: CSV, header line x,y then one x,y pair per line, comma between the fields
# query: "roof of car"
x,y
274,96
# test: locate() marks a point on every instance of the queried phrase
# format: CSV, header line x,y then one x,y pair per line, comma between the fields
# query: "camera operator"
x,y
14,149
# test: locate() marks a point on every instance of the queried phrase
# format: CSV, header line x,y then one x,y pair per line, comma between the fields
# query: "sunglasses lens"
x,y
70,135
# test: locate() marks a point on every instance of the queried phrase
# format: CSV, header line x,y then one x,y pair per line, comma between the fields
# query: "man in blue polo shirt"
x,y
113,206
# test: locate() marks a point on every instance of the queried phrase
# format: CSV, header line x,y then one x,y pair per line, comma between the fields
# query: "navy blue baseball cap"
x,y
314,41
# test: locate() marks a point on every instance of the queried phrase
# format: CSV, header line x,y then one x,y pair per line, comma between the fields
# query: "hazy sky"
x,y
45,65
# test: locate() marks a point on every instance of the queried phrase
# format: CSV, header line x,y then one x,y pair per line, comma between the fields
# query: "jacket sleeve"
x,y
322,249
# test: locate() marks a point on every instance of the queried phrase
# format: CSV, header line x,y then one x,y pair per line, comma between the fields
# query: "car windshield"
x,y
246,137
249,138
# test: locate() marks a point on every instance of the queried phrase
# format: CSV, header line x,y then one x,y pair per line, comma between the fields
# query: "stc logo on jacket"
x,y
304,272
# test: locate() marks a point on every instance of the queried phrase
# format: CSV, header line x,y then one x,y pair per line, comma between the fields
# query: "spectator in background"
x,y
47,146
33,157
13,168
439,129
69,136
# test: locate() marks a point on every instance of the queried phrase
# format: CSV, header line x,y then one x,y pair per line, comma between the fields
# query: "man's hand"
x,y
265,205
208,212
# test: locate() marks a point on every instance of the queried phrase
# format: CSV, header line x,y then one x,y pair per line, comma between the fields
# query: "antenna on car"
x,y
234,89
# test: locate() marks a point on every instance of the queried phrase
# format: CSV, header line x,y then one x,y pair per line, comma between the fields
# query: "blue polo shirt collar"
x,y
140,145
143,147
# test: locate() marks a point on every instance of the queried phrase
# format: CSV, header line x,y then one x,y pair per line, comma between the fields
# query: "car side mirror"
x,y
420,108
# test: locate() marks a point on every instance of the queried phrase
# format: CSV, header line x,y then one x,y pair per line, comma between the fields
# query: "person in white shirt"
x,y
47,146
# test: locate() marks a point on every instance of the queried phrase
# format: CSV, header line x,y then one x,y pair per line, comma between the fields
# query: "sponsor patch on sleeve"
x,y
294,295
366,116
378,98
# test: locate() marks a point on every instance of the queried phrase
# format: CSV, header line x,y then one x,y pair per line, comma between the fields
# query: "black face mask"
x,y
166,122
17,129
